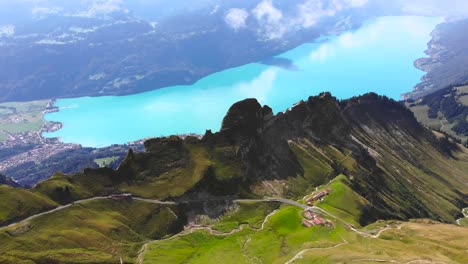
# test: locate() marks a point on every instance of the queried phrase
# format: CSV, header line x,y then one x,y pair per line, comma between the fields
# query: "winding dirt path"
x,y
352,228
301,253
8,134
55,210
144,248
80,202
280,200
345,242
465,214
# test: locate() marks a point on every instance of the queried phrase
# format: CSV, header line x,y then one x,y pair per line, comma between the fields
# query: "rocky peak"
x,y
244,120
161,144
371,109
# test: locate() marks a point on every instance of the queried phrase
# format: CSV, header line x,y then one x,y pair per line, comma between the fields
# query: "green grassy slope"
x,y
105,162
170,168
19,203
445,110
435,183
342,201
414,242
284,238
246,213
168,177
378,161
413,169
94,232
389,159
164,171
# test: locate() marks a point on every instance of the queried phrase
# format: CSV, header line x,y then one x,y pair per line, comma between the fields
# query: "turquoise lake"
x,y
376,57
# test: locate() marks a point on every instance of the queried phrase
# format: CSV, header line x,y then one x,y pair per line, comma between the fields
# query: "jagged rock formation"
x,y
398,167
389,148
378,160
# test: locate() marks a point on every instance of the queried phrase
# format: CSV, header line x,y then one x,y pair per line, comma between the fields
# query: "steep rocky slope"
x,y
400,167
379,161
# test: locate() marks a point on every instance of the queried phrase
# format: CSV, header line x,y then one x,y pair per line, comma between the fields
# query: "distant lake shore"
x,y
378,57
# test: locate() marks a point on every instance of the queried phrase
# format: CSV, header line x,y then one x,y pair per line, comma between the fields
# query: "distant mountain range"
x,y
56,49
447,63
8,181
108,49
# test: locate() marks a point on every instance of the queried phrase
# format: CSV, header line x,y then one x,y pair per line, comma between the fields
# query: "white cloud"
x,y
342,4
267,11
310,12
435,7
105,7
64,36
82,30
236,18
7,30
102,7
163,106
322,53
357,3
89,8
270,20
274,24
259,87
215,10
97,76
117,83
50,42
354,39
370,35
40,11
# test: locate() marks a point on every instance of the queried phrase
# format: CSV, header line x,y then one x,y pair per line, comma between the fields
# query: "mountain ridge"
x,y
370,151
256,148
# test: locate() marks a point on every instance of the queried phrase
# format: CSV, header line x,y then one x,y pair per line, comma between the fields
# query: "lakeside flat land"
x,y
21,117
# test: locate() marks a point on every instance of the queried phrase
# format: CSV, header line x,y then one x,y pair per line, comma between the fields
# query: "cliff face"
x,y
392,161
265,140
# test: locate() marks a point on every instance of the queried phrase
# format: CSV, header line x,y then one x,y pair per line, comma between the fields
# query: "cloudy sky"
x,y
435,7
237,14
272,23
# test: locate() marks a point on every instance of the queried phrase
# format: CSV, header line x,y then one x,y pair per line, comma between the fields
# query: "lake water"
x,y
377,57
